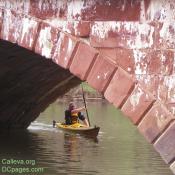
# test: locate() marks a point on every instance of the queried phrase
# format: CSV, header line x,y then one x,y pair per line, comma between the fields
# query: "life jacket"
x,y
74,117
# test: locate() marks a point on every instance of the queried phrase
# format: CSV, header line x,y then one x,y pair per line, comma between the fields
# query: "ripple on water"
x,y
41,126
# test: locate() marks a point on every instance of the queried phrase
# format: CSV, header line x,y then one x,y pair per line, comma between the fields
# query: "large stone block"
x,y
142,61
82,28
2,3
149,82
11,26
155,121
45,9
47,38
77,28
165,35
108,52
130,35
83,60
162,87
161,62
29,29
160,10
104,10
119,88
171,107
166,89
11,4
138,104
123,57
15,5
153,62
169,83
101,73
172,167
166,143
64,50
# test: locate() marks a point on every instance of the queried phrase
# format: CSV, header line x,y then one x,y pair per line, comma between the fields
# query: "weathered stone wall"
x,y
136,35
124,49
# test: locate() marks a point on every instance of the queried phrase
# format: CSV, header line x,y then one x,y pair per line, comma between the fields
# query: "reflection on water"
x,y
118,150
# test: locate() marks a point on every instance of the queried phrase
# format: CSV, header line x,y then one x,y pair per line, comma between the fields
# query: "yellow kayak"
x,y
79,128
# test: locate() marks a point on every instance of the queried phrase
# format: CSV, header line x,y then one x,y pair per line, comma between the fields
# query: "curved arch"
x,y
29,84
124,90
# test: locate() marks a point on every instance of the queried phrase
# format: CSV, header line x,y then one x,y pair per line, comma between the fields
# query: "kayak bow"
x,y
79,128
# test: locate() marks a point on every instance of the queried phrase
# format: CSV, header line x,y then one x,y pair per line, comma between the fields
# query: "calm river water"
x,y
118,150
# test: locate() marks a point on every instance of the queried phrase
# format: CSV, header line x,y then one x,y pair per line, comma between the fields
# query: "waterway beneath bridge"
x,y
118,150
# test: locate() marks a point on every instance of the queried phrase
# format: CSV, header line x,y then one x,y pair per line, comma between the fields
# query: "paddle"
x,y
85,105
54,123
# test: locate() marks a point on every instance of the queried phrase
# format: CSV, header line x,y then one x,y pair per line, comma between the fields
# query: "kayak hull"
x,y
79,129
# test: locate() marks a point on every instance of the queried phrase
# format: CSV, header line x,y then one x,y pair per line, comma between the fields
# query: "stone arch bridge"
x,y
124,49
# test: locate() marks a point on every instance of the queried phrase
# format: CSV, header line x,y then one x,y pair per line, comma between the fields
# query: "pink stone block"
x,y
109,52
77,28
142,61
64,50
45,9
11,4
122,57
171,107
149,82
15,5
119,88
104,10
169,84
161,62
46,41
11,26
101,73
166,143
138,104
82,28
160,11
155,121
165,35
130,35
29,29
83,60
166,89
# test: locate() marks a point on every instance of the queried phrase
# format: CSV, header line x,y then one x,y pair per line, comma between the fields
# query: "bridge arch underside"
x,y
28,84
124,49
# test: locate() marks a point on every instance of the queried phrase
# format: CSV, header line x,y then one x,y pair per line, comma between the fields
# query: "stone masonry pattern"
x,y
124,49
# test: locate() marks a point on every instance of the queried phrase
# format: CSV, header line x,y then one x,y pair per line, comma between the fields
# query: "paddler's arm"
x,y
86,122
78,109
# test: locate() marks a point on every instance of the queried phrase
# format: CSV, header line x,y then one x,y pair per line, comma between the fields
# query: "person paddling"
x,y
73,114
